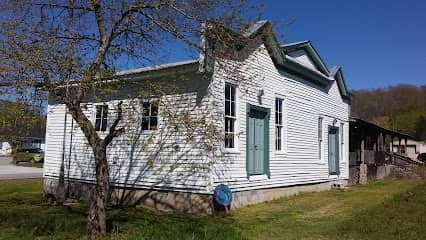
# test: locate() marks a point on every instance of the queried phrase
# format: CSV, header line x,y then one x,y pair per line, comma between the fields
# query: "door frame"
x,y
337,149
267,112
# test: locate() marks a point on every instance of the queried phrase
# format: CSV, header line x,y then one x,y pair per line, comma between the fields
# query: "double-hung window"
x,y
320,137
149,115
342,142
230,115
101,121
278,124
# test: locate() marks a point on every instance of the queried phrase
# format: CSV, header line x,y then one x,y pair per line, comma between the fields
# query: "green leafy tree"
x,y
396,107
20,120
421,127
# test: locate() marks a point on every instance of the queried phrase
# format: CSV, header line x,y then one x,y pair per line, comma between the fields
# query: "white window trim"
x,y
149,131
284,129
236,148
94,107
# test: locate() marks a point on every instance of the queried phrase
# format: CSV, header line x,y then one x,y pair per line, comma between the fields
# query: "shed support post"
x,y
363,166
399,144
384,142
406,148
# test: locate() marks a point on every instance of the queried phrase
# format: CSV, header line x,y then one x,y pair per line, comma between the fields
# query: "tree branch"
x,y
84,123
113,132
53,5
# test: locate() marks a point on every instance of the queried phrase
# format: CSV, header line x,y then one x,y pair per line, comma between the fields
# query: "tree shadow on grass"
x,y
23,215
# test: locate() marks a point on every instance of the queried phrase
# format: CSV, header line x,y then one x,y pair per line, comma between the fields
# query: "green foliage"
x,y
388,209
421,127
19,119
401,108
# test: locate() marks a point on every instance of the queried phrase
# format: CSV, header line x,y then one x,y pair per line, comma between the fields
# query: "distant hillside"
x,y
401,108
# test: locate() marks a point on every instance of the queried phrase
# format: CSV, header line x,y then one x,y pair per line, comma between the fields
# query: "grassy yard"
x,y
386,209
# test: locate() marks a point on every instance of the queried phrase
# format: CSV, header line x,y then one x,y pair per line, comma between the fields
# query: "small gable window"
x,y
150,116
101,121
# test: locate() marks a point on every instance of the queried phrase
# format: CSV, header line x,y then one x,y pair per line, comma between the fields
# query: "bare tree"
x,y
71,48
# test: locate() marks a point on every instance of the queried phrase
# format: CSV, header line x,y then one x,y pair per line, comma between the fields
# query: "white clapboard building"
x,y
280,129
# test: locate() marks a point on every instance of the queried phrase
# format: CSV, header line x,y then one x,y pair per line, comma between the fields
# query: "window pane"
x,y
278,123
98,111
153,123
154,109
145,123
145,111
227,92
103,125
98,124
104,114
232,108
280,129
229,140
232,93
280,105
227,109
276,105
104,111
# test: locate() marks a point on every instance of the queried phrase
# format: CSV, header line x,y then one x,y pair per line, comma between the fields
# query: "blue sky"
x,y
377,42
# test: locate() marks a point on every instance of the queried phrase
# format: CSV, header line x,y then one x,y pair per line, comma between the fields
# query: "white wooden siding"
x,y
129,155
135,158
302,57
300,163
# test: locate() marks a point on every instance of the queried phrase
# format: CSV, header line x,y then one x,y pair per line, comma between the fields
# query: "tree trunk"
x,y
96,225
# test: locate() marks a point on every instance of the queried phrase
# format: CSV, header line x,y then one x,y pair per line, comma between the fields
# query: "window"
x,y
342,129
320,139
150,116
230,116
101,118
278,124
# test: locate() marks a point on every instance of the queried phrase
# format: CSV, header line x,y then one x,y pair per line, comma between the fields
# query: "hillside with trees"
x,y
400,108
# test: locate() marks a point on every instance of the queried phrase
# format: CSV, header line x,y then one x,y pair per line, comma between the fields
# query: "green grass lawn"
x,y
386,209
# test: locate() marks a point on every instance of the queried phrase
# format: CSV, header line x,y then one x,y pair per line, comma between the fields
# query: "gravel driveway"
x,y
10,171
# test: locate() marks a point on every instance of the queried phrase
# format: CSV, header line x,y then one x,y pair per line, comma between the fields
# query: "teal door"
x,y
333,150
257,141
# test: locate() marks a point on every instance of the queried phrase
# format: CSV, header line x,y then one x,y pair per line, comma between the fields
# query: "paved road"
x,y
10,171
